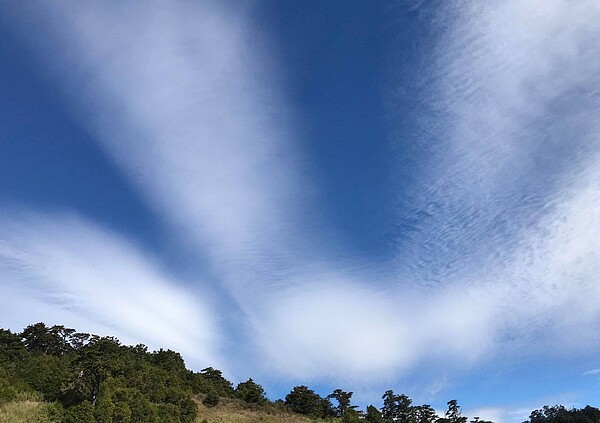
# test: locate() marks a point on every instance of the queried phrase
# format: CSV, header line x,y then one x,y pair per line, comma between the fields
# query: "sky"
x,y
362,195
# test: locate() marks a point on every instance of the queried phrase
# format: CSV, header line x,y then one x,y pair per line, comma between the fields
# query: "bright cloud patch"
x,y
90,276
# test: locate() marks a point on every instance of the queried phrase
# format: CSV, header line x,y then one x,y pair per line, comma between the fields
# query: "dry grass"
x,y
24,412
235,411
228,411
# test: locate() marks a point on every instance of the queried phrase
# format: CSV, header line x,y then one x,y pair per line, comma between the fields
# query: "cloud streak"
x,y
64,266
498,236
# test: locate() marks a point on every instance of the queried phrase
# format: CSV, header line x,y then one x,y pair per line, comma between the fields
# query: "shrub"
x,y
211,399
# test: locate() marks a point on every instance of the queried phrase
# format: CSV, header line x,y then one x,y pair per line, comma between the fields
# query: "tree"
x,y
215,380
343,400
373,415
12,349
97,360
423,414
211,399
453,414
56,340
351,416
251,392
303,400
559,414
169,360
396,408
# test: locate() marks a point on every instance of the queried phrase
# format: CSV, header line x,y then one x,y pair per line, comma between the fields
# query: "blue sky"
x,y
366,195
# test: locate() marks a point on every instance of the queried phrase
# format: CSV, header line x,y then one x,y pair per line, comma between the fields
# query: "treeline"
x,y
93,379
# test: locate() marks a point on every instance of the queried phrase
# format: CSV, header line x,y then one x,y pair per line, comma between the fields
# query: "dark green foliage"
x,y
211,399
142,409
188,410
453,414
121,413
81,413
373,415
8,390
396,408
303,400
170,361
209,379
343,400
399,409
351,416
251,392
46,374
559,414
425,414
103,411
55,340
168,413
95,379
12,349
55,412
96,361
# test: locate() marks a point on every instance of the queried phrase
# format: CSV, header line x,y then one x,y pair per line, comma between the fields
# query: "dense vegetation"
x,y
60,375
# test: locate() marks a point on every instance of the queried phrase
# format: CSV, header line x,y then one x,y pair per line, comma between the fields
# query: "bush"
x,y
211,399
82,413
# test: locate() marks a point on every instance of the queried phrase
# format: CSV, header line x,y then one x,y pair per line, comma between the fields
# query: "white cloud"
x,y
511,111
183,97
187,100
505,213
66,270
591,372
496,415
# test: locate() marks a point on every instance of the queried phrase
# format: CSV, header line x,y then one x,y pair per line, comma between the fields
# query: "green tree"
x,y
96,361
46,374
56,340
559,414
373,415
423,414
169,360
303,400
351,416
251,392
453,414
215,380
396,408
12,349
343,399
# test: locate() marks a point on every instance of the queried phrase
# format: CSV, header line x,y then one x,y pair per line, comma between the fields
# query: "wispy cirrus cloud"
x,y
500,227
64,269
504,122
186,99
502,240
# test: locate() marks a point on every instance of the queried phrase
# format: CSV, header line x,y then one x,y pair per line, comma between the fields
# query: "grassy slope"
x,y
24,412
228,411
235,411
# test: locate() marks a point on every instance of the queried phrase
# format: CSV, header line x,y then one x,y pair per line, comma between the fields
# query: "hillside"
x,y
228,411
235,411
57,375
